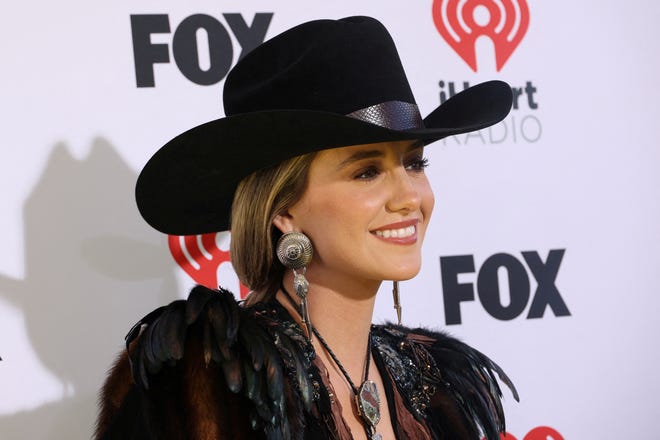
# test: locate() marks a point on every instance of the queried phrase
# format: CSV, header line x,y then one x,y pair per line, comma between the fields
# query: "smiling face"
x,y
366,209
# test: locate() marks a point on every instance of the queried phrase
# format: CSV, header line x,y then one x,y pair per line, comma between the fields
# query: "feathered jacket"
x,y
207,368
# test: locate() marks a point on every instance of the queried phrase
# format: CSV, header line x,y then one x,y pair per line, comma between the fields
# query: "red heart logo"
x,y
201,256
462,22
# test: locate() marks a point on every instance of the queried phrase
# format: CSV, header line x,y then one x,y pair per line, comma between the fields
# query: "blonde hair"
x,y
259,198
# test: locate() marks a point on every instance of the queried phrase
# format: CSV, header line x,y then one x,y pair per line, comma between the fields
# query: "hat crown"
x,y
337,66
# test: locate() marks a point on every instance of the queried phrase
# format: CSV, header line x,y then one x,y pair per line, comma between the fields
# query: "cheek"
x,y
323,213
337,219
427,200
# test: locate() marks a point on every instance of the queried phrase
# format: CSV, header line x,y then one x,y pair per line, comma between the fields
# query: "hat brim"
x,y
188,186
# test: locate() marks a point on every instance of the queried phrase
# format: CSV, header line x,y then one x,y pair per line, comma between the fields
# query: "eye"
x,y
367,173
417,163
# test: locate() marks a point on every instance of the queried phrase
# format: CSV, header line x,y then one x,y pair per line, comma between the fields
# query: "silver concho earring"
x,y
294,250
397,303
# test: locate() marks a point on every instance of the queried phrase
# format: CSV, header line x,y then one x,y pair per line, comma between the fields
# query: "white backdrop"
x,y
574,168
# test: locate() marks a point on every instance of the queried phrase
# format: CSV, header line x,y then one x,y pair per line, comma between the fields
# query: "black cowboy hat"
x,y
322,84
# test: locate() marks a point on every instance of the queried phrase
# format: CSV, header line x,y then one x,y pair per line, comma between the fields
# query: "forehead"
x,y
344,155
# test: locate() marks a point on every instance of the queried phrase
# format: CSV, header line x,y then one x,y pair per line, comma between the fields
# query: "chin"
x,y
403,273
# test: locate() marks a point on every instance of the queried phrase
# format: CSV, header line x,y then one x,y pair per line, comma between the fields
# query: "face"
x,y
366,209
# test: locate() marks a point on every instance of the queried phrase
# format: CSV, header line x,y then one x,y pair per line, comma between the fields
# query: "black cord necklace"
x,y
367,401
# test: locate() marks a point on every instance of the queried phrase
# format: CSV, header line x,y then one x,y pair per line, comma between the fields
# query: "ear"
x,y
284,222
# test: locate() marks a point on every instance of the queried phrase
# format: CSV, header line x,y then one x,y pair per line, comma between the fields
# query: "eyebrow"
x,y
369,154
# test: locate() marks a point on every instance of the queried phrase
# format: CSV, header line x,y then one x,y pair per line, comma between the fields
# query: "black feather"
x,y
217,320
246,345
252,383
197,300
469,376
233,375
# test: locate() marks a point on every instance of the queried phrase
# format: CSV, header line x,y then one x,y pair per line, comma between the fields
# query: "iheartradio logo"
x,y
538,433
205,258
462,22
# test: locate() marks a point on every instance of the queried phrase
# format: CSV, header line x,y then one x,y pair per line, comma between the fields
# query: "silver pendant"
x,y
368,403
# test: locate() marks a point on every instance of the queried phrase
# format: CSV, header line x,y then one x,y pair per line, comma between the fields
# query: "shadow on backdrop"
x,y
93,268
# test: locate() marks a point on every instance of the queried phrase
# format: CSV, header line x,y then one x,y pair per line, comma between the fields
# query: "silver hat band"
x,y
395,115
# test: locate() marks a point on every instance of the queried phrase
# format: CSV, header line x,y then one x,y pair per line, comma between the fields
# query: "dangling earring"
x,y
397,303
294,250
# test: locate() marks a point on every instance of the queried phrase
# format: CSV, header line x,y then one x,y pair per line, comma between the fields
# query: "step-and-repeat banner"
x,y
543,251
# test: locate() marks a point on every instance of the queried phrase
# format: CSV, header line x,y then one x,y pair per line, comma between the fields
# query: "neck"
x,y
342,314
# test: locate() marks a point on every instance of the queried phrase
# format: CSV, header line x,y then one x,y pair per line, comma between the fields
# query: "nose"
x,y
405,196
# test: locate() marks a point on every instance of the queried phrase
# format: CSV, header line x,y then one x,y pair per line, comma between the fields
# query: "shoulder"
x,y
446,381
209,350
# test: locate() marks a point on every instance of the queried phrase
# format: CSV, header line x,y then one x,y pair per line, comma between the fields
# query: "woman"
x,y
320,163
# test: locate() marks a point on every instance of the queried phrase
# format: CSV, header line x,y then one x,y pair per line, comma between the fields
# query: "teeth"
x,y
396,233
